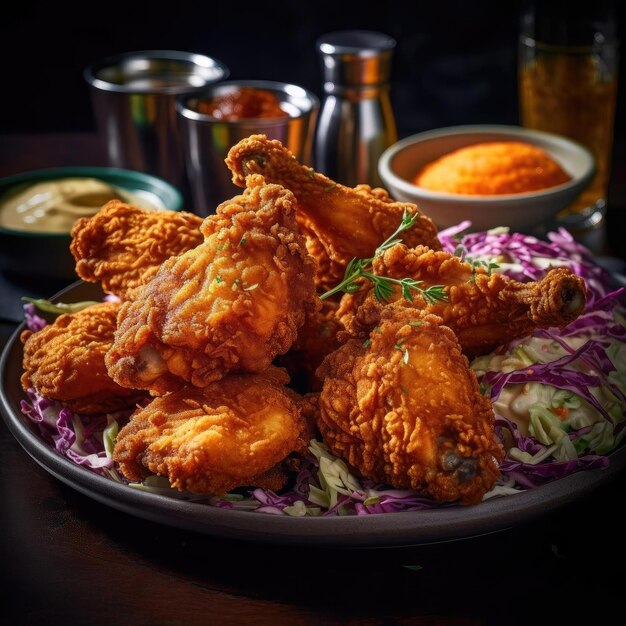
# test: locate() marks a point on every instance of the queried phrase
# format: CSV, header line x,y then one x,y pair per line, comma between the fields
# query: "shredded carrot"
x,y
492,168
561,411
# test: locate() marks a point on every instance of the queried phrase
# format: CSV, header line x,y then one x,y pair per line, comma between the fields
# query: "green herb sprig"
x,y
475,263
359,269
479,263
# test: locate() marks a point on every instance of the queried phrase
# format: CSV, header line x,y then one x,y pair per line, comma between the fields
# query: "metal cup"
x,y
134,100
207,140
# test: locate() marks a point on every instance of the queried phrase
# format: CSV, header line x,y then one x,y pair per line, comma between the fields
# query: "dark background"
x,y
455,62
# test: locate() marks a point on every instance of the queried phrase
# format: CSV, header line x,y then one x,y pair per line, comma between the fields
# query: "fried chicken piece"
x,y
317,338
341,223
122,245
65,361
405,409
232,433
229,305
484,309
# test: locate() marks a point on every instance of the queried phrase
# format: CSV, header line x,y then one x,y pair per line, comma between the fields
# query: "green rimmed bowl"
x,y
30,254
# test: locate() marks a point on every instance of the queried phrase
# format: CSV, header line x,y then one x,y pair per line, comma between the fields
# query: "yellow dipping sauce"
x,y
52,206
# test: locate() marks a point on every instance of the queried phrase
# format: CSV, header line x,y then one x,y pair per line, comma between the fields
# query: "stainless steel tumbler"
x,y
207,140
356,121
134,100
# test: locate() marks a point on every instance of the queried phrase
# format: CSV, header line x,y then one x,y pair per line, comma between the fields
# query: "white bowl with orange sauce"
x,y
521,211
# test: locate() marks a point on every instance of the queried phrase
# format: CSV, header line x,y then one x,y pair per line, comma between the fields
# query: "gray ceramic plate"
x,y
392,529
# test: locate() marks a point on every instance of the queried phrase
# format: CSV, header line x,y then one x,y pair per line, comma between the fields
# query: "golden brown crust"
x,y
347,222
407,410
484,310
494,310
65,361
122,245
229,434
229,305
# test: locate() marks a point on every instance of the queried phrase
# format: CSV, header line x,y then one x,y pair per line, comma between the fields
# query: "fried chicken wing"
x,y
65,361
229,305
122,245
405,409
340,222
232,433
484,309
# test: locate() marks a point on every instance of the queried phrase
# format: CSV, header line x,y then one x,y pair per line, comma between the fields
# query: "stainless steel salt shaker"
x,y
356,122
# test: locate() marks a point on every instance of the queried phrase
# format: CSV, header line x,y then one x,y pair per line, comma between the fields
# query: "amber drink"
x,y
571,91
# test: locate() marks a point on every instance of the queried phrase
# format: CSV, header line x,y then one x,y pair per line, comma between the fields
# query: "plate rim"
x,y
406,528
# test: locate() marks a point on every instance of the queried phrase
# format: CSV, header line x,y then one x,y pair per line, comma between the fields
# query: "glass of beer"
x,y
568,85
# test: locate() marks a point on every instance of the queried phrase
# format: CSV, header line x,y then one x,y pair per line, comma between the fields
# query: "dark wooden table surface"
x,y
66,559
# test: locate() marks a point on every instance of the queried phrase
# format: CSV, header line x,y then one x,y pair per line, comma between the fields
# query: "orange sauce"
x,y
492,168
242,103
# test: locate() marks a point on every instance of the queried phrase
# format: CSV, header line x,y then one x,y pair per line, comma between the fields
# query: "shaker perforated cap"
x,y
355,58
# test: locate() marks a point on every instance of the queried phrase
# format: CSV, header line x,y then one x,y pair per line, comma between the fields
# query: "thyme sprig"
x,y
475,263
358,269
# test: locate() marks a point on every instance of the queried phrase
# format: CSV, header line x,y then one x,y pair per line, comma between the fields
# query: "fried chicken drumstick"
x,y
484,309
340,222
229,305
404,409
65,361
122,245
231,433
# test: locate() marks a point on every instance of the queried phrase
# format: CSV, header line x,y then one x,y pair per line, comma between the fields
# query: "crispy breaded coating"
x,y
340,222
65,361
405,409
485,309
232,433
229,305
122,245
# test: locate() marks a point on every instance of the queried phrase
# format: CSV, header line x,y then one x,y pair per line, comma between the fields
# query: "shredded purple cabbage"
x,y
527,475
557,375
58,425
33,321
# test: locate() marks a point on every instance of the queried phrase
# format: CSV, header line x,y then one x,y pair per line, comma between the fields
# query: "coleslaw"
x,y
559,395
